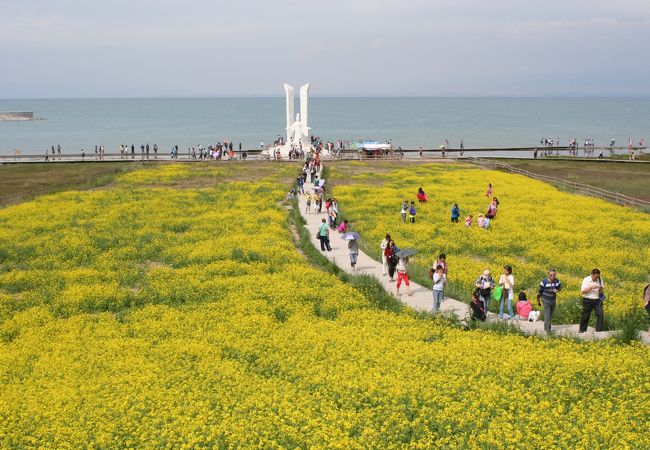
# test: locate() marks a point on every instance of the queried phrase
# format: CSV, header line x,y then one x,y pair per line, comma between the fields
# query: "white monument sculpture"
x,y
298,129
297,125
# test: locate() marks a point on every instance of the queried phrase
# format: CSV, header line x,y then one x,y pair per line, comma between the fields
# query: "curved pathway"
x,y
422,298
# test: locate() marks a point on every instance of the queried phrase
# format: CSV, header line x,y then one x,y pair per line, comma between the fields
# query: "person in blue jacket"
x,y
455,213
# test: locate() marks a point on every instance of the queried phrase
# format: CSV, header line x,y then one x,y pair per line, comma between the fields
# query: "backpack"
x,y
485,292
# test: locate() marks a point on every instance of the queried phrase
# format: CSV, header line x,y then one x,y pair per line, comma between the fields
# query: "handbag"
x,y
601,294
431,272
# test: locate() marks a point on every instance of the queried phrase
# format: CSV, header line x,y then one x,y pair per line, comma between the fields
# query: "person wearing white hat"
x,y
484,284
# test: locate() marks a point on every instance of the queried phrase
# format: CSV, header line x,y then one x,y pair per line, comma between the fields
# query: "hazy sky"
x,y
143,48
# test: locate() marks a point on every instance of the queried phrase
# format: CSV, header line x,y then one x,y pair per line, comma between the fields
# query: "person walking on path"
x,y
307,203
384,260
300,182
441,261
353,247
402,275
507,281
412,213
485,284
455,213
391,259
592,300
547,293
439,283
405,207
324,236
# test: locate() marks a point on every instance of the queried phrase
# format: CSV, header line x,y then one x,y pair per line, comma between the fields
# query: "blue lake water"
x,y
409,122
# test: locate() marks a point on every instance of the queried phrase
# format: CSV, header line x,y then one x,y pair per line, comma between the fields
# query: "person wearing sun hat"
x,y
484,284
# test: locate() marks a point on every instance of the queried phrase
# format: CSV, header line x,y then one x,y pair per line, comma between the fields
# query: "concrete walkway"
x,y
422,298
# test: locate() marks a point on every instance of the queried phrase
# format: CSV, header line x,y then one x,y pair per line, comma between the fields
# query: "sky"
x,y
190,48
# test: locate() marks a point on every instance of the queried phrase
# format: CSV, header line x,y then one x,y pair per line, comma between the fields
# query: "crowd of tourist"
x,y
501,290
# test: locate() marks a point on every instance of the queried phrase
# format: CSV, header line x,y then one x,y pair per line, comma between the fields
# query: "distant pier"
x,y
16,116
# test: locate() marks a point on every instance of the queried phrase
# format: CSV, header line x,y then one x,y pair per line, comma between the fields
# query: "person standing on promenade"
x,y
353,247
462,147
420,151
547,293
484,284
324,236
132,151
592,299
507,281
405,207
402,274
439,283
147,150
155,151
384,260
455,213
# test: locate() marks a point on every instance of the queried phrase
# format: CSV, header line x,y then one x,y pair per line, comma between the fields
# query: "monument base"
x,y
285,150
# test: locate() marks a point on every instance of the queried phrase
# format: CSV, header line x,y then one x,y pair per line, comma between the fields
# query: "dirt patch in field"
x,y
626,178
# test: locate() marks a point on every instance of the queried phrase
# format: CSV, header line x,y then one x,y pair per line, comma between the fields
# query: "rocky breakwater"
x,y
7,116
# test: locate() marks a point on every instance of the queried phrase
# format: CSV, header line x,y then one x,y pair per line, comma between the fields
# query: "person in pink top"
x,y
480,221
343,227
468,220
523,307
488,193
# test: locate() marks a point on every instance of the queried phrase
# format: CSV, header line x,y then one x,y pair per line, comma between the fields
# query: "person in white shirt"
x,y
384,260
402,275
405,207
507,281
592,300
439,282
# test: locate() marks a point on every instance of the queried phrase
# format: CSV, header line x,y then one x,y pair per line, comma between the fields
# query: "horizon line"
x,y
258,96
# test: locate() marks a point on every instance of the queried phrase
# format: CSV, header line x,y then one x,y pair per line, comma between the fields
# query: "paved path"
x,y
422,298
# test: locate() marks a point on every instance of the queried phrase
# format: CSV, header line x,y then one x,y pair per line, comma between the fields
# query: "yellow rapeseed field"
x,y
537,227
149,315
